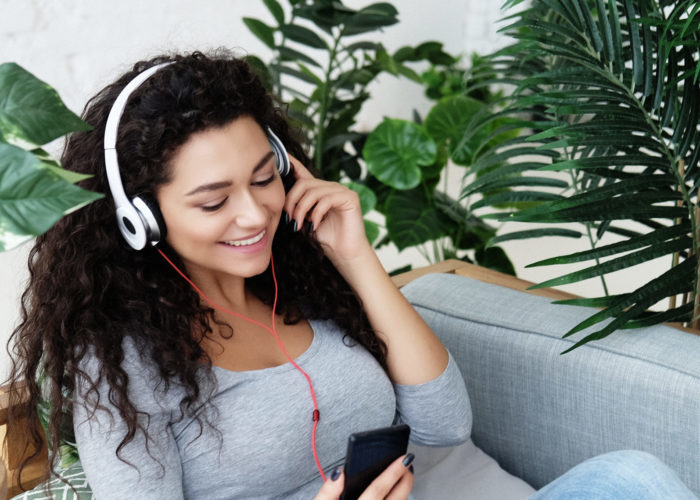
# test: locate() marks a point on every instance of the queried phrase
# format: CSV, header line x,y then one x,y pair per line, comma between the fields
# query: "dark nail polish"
x,y
311,227
286,216
335,474
408,460
410,468
294,226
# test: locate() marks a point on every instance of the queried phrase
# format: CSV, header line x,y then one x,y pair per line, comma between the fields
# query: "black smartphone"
x,y
369,453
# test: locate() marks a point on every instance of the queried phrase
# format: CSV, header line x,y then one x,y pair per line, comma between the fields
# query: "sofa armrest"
x,y
539,413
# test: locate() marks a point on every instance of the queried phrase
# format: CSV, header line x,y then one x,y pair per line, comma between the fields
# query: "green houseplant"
x,y
610,95
35,191
323,70
411,159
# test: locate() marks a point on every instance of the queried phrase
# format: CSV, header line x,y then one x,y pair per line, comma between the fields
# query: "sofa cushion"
x,y
463,472
537,412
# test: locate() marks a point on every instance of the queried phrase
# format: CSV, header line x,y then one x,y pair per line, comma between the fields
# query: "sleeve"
x,y
147,468
438,411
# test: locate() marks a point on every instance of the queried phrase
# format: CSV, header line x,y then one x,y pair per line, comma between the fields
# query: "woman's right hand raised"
x,y
394,483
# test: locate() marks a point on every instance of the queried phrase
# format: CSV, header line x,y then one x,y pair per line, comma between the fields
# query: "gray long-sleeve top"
x,y
259,444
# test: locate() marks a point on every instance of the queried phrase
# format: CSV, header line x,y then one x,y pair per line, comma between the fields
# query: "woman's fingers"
x,y
394,483
333,486
312,200
300,171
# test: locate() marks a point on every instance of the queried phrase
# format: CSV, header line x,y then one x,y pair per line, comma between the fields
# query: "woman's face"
x,y
223,203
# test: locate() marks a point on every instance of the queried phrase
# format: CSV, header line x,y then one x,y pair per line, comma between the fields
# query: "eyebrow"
x,y
213,186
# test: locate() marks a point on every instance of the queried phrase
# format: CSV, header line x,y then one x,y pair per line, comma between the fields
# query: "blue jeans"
x,y
619,475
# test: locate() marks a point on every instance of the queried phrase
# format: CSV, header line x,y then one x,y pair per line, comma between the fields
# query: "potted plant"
x,y
609,93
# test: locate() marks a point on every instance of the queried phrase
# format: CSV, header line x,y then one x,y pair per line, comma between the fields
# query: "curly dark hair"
x,y
88,290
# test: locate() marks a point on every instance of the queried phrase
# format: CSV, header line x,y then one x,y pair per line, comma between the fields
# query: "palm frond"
x,y
611,95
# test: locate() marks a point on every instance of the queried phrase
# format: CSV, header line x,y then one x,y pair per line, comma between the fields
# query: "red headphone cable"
x,y
316,414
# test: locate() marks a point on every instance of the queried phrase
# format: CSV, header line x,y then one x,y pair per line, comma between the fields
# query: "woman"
x,y
233,356
180,389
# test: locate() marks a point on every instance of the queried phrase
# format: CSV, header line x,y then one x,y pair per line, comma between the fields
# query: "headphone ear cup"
x,y
149,211
281,156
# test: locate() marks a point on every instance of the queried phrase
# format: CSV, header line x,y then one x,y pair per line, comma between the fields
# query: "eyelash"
x,y
264,182
214,208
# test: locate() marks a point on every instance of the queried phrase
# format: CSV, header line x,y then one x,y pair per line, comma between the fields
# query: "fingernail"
x,y
335,474
286,216
294,226
410,468
311,227
408,460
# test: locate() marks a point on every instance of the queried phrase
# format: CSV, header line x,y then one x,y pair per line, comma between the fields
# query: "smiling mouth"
x,y
246,242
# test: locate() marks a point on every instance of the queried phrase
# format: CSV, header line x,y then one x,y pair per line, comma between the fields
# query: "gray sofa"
x,y
538,413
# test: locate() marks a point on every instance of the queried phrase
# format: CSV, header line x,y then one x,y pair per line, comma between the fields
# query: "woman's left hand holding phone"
x,y
395,483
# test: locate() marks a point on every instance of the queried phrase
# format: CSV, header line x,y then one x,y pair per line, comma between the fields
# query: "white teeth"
x,y
249,241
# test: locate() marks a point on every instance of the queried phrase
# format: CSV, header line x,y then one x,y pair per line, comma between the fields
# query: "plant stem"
x,y
323,106
574,183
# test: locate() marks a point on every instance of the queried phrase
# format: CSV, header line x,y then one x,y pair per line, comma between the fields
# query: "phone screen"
x,y
369,453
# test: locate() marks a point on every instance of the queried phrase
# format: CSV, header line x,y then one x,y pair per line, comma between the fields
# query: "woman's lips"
x,y
248,245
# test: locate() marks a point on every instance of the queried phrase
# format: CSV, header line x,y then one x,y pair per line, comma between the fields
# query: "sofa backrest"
x,y
537,412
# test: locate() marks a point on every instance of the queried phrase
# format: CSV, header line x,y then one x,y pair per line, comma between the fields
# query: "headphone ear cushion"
x,y
281,156
152,218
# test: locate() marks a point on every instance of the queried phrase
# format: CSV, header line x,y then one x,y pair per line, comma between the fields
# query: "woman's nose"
x,y
248,210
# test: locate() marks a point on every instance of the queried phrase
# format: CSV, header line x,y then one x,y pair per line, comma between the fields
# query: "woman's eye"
x,y
264,182
213,208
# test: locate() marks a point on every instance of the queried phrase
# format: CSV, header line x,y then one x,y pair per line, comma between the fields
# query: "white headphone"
x,y
139,219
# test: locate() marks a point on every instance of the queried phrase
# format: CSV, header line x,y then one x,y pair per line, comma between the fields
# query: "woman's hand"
x,y
334,211
394,483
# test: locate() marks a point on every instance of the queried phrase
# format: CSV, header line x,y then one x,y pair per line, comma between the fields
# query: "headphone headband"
x,y
139,219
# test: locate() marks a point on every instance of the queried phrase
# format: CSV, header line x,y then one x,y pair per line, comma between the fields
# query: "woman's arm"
x,y
149,467
415,355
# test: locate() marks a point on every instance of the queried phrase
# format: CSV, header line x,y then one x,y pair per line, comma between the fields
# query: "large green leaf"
x,y
368,200
494,258
32,198
452,120
371,230
395,151
30,110
411,219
